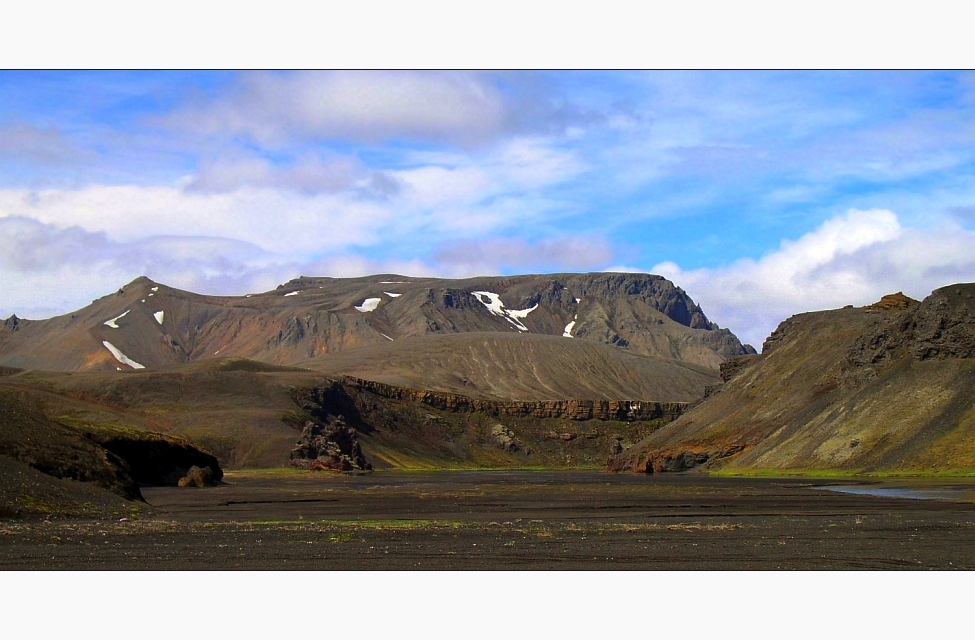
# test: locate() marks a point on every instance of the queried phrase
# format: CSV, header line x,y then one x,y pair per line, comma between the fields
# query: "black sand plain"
x,y
517,520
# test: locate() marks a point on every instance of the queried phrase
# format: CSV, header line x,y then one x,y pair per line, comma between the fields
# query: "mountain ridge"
x,y
149,324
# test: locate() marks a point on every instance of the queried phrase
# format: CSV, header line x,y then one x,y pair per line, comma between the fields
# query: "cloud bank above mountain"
x,y
854,259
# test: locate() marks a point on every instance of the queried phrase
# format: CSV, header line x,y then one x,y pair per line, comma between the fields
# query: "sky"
x,y
762,194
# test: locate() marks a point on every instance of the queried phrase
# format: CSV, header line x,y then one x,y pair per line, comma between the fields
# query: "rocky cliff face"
x,y
396,426
329,439
887,387
941,327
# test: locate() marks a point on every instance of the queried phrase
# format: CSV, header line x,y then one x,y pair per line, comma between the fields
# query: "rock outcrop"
x,y
733,366
893,301
329,447
942,326
327,441
198,477
505,438
116,459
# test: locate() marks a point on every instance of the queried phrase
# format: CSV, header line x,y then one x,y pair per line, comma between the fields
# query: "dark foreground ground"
x,y
516,520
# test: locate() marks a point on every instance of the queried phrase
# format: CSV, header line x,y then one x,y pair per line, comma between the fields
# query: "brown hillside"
x,y
520,367
888,387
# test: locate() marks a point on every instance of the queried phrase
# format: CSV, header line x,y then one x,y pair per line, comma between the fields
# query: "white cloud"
x,y
314,206
46,270
367,106
22,141
351,266
276,220
519,164
309,174
622,268
854,258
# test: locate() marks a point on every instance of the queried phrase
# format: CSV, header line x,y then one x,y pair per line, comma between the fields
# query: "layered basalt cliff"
x,y
622,410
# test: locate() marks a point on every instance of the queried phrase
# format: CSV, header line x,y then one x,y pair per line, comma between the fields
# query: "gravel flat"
x,y
517,520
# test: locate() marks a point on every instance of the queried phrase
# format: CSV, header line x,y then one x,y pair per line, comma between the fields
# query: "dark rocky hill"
x,y
887,387
146,324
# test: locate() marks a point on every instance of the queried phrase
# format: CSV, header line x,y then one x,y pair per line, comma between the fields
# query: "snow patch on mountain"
x,y
159,315
121,357
369,304
567,333
492,302
112,323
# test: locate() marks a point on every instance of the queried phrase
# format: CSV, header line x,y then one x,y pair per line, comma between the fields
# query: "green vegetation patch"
x,y
843,473
296,418
112,430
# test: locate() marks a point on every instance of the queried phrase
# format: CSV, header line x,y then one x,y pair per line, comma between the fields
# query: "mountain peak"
x,y
893,301
309,317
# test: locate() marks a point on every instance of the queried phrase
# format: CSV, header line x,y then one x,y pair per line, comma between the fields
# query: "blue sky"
x,y
762,194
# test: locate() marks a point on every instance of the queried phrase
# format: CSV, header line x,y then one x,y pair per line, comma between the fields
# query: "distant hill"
x,y
607,335
521,367
887,387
